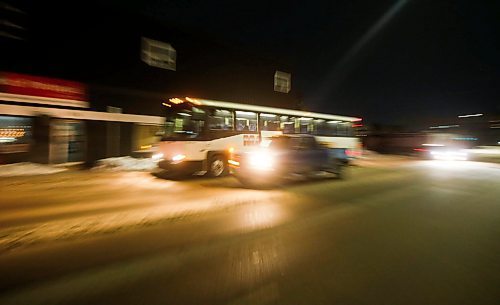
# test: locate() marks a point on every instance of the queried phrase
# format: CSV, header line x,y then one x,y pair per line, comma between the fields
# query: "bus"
x,y
200,134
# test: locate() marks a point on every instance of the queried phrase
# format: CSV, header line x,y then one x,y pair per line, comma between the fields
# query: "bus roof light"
x,y
176,101
193,100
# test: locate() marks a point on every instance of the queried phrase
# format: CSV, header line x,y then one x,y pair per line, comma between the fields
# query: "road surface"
x,y
395,232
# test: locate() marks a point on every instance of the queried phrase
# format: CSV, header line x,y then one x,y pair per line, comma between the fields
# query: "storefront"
x,y
15,138
47,120
67,141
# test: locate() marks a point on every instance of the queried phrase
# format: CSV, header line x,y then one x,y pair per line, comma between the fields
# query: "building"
x,y
81,82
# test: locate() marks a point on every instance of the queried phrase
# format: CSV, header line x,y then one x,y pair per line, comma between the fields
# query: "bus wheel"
x,y
217,166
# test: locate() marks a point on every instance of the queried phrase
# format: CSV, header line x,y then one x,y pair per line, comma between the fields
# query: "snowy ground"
x,y
119,195
421,233
75,203
84,203
28,169
111,164
126,164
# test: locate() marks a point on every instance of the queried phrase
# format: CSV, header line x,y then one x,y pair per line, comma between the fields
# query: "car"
x,y
442,152
284,157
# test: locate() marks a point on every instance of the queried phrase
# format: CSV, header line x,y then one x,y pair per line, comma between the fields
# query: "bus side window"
x,y
331,128
246,121
342,129
320,127
269,122
221,120
350,130
287,124
304,125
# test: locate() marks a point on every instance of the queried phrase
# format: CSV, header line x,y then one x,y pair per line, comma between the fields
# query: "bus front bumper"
x,y
184,167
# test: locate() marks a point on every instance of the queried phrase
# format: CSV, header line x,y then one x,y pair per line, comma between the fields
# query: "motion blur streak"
x,y
396,223
262,215
340,69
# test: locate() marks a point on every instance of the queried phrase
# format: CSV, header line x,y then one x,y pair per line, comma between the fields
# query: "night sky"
x,y
388,61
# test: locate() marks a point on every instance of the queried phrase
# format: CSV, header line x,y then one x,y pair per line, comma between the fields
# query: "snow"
x,y
111,164
87,203
126,164
28,169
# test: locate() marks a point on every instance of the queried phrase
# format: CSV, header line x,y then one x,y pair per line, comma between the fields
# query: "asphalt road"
x,y
395,232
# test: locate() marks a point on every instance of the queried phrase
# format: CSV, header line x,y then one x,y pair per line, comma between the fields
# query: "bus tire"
x,y
217,166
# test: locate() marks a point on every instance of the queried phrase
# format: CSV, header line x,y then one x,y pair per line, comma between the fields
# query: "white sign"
x,y
158,54
282,82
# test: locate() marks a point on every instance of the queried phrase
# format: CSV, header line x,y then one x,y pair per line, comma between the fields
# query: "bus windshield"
x,y
184,123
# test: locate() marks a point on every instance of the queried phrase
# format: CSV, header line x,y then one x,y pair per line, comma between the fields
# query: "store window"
x,y
15,134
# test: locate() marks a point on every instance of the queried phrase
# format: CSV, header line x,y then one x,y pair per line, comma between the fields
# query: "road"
x,y
394,232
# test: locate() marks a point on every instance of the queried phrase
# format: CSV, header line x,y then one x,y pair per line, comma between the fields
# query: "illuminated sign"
x,y
42,90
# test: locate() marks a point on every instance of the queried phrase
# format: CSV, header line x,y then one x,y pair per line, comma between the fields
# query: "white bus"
x,y
200,134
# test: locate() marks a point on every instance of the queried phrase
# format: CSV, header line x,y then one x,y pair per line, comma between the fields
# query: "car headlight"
x,y
157,157
261,160
450,155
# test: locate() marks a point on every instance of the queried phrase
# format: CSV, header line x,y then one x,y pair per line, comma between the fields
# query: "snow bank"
x,y
28,169
126,164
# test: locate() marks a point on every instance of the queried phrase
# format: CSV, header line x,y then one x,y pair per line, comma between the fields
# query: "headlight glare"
x,y
450,155
261,160
178,157
157,157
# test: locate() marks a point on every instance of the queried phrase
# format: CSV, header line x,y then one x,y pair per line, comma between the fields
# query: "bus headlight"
x,y
233,162
157,157
261,160
178,158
